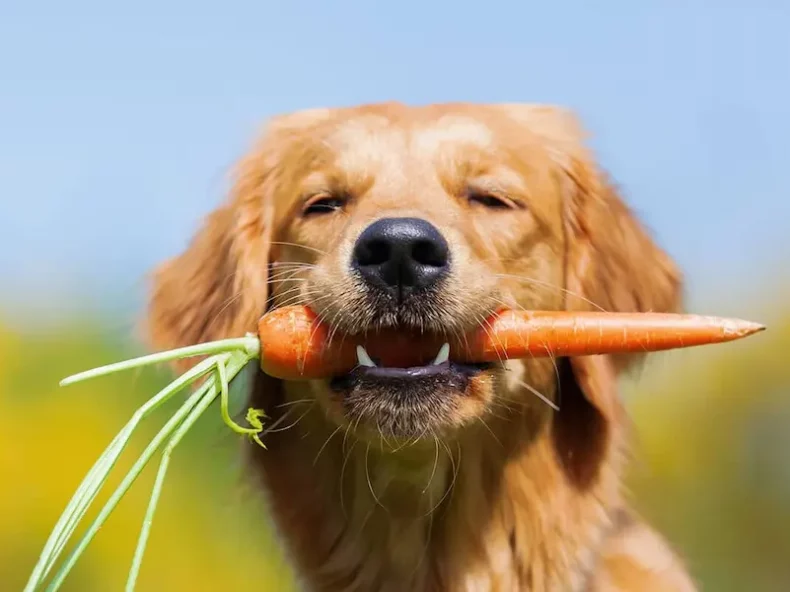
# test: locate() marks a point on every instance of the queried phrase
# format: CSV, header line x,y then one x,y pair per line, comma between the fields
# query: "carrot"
x,y
295,344
292,343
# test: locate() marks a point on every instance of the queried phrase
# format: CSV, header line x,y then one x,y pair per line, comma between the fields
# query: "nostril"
x,y
430,252
373,252
401,255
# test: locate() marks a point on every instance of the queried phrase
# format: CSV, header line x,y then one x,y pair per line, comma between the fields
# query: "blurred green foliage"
x,y
210,531
711,462
711,468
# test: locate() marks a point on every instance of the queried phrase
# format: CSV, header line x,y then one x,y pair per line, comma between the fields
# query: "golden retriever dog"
x,y
446,476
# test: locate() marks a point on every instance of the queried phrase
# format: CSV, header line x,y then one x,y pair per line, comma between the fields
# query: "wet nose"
x,y
401,255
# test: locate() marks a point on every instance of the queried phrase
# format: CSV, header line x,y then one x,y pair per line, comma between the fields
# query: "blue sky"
x,y
118,124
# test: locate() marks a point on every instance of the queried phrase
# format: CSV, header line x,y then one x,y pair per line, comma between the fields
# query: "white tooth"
x,y
443,355
363,358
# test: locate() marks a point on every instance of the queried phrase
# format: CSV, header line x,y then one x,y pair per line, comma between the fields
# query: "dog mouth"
x,y
441,368
398,399
391,387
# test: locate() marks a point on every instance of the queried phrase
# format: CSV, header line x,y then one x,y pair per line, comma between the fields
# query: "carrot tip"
x,y
740,328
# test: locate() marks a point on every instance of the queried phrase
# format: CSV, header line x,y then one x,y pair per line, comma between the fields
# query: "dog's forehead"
x,y
390,153
430,127
412,135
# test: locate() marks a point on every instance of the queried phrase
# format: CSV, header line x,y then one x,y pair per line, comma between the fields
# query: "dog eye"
x,y
324,204
489,200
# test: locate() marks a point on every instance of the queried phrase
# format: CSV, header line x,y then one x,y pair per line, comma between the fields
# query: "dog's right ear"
x,y
218,287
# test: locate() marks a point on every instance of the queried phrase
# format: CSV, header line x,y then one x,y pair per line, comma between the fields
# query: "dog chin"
x,y
406,404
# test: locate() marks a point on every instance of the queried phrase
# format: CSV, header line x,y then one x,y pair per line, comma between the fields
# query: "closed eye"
x,y
490,200
324,204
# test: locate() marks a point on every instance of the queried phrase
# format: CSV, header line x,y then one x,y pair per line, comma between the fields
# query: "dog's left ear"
x,y
611,263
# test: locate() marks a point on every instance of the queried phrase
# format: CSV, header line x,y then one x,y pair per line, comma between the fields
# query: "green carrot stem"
x,y
98,474
249,344
156,491
236,353
130,477
227,368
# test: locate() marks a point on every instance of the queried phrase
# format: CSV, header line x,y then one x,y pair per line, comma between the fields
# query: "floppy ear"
x,y
217,288
611,259
611,263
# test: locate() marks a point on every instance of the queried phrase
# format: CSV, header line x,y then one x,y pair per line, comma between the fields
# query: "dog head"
x,y
425,220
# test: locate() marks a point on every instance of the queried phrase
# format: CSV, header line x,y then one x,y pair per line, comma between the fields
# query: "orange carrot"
x,y
295,344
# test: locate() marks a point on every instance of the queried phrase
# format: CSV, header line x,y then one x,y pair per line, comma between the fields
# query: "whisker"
x,y
538,394
495,404
435,464
296,289
276,422
427,544
456,467
315,328
382,438
294,294
289,403
287,244
370,484
551,356
550,285
483,421
334,325
300,298
284,273
222,309
500,398
297,420
298,264
320,450
345,462
303,295
346,456
485,324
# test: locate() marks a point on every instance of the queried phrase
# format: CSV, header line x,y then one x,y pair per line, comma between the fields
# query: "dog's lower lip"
x,y
405,373
394,376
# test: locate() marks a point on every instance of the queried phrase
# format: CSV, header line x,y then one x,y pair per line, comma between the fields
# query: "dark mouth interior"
x,y
419,371
403,376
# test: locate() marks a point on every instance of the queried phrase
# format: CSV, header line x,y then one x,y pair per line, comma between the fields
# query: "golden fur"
x,y
501,492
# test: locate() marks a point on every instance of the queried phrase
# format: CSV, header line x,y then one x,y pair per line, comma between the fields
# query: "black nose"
x,y
401,255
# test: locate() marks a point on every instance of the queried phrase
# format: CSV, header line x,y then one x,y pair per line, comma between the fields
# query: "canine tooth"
x,y
443,355
363,358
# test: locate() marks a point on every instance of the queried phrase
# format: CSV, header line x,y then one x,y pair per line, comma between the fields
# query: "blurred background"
x,y
119,126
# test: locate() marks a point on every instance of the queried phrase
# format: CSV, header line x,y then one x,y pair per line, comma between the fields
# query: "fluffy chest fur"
x,y
485,513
